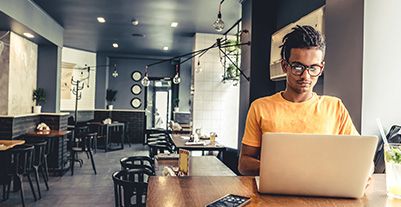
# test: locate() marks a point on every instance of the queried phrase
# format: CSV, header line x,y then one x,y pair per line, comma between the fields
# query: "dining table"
x,y
9,144
56,150
170,191
107,131
198,166
181,142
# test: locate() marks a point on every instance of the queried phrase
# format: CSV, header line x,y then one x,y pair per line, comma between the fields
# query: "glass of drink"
x,y
212,137
392,157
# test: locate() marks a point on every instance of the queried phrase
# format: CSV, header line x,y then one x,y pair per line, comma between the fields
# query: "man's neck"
x,y
296,97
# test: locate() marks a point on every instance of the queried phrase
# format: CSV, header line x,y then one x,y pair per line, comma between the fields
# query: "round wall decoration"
x,y
136,103
136,76
136,89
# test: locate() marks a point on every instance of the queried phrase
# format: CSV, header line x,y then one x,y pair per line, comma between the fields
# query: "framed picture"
x,y
136,103
136,89
136,76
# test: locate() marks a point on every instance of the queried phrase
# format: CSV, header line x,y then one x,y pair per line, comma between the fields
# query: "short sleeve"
x,y
253,133
346,125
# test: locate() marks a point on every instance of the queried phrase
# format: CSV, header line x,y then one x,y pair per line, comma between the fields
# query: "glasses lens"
x,y
297,69
314,70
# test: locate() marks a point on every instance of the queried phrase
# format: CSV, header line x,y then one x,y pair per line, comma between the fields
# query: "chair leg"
x,y
87,154
32,189
4,192
46,168
36,170
93,162
21,189
44,177
72,162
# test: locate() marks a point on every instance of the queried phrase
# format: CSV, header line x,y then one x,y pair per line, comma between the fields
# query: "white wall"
x,y
381,70
22,75
216,105
78,58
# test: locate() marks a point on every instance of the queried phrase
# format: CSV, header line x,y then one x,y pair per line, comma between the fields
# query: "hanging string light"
x,y
198,67
218,25
115,72
145,81
177,79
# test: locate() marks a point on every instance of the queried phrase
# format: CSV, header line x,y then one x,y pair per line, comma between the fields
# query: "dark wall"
x,y
48,76
291,10
101,81
259,18
185,86
124,82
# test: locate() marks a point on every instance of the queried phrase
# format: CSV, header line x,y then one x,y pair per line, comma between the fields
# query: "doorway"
x,y
158,103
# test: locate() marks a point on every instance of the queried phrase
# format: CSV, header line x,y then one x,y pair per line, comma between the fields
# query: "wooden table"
x,y
8,144
179,142
198,191
104,131
199,166
56,161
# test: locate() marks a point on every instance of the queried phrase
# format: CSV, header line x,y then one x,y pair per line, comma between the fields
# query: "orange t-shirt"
x,y
318,115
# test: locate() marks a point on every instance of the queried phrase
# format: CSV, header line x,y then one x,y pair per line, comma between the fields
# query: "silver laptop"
x,y
315,165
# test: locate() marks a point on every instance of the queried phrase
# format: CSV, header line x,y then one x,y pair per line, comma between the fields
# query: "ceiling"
x,y
82,31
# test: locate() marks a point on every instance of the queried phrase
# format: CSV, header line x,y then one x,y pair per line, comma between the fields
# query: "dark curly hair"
x,y
302,37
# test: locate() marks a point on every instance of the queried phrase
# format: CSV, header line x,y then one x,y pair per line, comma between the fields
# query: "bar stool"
x,y
83,144
38,162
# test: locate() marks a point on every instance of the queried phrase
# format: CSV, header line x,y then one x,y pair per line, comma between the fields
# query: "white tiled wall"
x,y
216,104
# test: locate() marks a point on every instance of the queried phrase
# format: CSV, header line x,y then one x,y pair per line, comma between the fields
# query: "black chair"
x,y
83,142
135,162
5,179
160,147
38,163
21,165
131,183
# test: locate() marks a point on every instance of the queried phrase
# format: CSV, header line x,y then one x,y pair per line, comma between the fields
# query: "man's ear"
x,y
323,64
284,65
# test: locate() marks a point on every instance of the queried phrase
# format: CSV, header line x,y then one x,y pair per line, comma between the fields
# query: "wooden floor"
x,y
84,188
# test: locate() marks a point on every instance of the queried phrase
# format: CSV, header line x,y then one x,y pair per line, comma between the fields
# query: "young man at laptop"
x,y
297,109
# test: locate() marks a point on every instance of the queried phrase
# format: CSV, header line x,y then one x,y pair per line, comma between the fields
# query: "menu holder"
x,y
183,162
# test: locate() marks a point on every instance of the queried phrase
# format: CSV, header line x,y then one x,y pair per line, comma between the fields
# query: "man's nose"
x,y
305,74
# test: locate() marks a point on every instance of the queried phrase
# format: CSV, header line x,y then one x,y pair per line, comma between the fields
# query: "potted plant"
x,y
39,96
176,104
110,97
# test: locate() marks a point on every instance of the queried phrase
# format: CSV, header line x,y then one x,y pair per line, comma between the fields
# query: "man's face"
x,y
304,82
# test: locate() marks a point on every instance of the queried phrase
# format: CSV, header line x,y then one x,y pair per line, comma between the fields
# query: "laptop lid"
x,y
316,165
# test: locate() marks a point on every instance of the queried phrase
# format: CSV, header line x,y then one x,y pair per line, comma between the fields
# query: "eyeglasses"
x,y
299,68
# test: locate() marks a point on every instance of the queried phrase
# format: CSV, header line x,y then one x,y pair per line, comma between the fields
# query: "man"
x,y
297,109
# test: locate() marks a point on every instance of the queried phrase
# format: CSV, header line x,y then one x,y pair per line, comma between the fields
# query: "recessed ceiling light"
x,y
165,48
29,35
115,45
174,24
134,22
101,20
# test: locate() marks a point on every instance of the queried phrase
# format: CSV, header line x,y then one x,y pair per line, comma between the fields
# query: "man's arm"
x,y
249,162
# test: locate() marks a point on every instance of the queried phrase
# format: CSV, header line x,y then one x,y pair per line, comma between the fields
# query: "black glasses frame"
x,y
298,72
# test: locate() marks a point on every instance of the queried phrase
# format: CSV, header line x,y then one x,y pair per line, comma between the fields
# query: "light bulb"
x,y
114,74
218,25
198,67
145,81
176,79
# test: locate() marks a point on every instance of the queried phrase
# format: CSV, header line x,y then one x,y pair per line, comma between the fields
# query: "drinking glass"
x,y
392,157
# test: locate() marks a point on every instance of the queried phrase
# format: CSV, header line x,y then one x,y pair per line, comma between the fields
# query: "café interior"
x,y
144,103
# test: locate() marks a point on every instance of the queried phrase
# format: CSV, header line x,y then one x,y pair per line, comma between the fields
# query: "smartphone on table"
x,y
230,200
